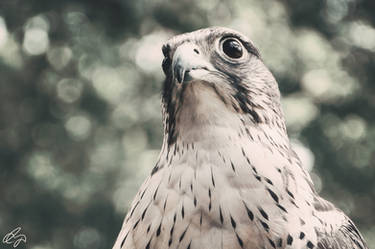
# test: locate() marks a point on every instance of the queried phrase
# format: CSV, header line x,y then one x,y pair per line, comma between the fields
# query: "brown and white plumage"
x,y
227,176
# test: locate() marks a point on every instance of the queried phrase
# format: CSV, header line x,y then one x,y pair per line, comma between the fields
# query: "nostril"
x,y
196,51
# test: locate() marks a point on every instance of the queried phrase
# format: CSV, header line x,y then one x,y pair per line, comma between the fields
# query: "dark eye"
x,y
232,48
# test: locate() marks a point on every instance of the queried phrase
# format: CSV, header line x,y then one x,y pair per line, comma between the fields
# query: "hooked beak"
x,y
187,59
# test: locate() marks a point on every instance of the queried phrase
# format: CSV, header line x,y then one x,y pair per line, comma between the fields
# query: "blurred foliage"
x,y
80,122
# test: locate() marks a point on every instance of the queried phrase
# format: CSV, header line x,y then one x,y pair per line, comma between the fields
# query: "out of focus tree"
x,y
80,122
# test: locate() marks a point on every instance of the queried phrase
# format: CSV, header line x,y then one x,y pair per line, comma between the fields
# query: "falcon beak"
x,y
186,59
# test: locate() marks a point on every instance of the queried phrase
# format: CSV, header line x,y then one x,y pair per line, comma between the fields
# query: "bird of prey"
x,y
227,176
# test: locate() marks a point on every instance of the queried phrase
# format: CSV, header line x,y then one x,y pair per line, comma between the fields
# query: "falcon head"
x,y
216,77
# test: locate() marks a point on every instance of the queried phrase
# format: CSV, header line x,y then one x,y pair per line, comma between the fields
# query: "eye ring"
x,y
232,48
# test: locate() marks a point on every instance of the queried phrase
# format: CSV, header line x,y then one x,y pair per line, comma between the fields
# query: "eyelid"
x,y
234,37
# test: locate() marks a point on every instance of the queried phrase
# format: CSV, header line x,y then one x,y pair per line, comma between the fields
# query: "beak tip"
x,y
179,78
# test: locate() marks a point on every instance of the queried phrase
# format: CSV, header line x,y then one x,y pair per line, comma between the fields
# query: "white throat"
x,y
204,118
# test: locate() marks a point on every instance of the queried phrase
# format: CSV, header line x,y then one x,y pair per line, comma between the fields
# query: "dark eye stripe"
x,y
251,49
166,49
166,64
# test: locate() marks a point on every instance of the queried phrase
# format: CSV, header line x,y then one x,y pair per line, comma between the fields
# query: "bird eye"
x,y
232,48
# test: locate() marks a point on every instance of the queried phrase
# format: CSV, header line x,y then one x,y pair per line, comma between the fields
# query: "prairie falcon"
x,y
227,176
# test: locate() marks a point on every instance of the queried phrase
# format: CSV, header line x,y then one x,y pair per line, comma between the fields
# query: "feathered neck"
x,y
200,115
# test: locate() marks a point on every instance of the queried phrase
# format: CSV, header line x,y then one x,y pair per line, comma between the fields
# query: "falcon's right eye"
x,y
232,48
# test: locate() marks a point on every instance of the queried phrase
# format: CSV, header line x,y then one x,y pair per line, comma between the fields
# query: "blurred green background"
x,y
80,121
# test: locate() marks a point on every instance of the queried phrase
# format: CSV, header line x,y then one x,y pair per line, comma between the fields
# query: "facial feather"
x,y
227,89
